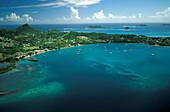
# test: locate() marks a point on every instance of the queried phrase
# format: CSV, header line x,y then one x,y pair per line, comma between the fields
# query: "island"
x,y
127,28
17,44
97,27
166,24
140,25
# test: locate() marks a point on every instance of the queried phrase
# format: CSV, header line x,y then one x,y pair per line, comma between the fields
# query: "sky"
x,y
83,11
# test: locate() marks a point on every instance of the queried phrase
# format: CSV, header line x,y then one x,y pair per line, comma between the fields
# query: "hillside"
x,y
26,29
22,30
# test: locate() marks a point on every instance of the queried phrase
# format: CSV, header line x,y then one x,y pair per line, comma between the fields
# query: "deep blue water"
x,y
93,81
152,29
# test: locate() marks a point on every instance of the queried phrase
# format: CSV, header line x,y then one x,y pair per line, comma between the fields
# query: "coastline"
x,y
44,52
28,56
78,38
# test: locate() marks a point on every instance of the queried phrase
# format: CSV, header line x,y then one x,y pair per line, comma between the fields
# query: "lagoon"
x,y
92,81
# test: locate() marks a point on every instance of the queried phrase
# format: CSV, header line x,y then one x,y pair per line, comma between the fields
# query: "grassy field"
x,y
1,55
49,42
31,48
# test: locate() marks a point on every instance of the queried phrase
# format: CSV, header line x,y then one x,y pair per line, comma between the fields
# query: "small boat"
x,y
124,51
44,62
110,52
35,60
77,53
152,54
43,55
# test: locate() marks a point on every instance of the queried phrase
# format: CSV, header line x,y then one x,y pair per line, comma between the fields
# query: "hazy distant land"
x,y
97,27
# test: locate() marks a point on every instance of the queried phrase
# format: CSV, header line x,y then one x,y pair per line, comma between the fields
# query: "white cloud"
x,y
61,3
26,17
42,0
79,3
99,15
133,17
111,16
74,13
14,17
140,15
88,18
124,17
1,19
162,14
65,18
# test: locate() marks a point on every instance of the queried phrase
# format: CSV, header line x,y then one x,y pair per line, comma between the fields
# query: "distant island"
x,y
97,27
26,41
140,25
127,28
166,24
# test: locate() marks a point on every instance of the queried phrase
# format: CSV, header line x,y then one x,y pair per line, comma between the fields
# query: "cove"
x,y
116,77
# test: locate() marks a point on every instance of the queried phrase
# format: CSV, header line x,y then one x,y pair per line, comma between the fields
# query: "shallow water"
x,y
126,80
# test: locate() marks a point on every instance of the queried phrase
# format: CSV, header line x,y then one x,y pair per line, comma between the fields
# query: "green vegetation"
x,y
24,41
97,27
31,48
1,55
166,24
140,25
127,28
6,69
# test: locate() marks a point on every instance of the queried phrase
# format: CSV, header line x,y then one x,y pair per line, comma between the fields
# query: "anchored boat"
x,y
35,60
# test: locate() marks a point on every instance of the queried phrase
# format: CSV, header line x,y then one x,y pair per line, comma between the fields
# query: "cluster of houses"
x,y
6,40
34,52
82,37
68,45
26,45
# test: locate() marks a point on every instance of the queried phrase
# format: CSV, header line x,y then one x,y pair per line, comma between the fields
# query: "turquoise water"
x,y
151,30
116,77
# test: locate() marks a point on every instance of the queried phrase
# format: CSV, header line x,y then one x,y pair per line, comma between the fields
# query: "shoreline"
x,y
26,57
45,52
79,45
60,40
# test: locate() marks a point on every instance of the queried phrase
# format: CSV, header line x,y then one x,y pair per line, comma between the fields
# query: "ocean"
x,y
114,77
151,29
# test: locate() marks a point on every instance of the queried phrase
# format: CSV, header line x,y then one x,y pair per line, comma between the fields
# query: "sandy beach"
x,y
43,51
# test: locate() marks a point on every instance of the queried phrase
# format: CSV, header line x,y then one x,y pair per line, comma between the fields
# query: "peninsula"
x,y
25,41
